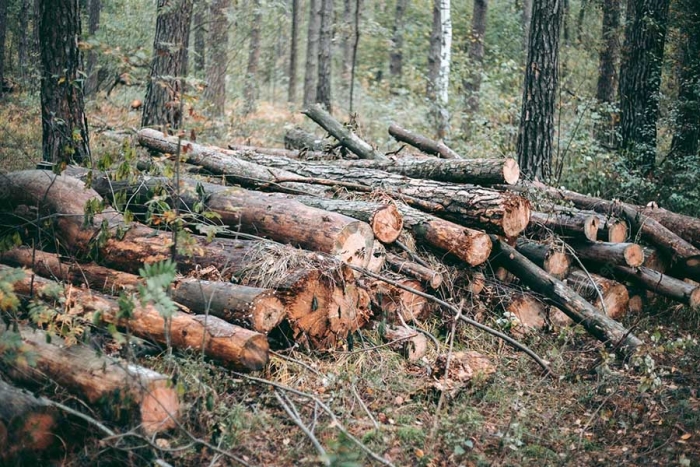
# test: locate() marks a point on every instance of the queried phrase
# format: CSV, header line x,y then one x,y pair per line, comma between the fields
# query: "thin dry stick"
x,y
288,407
452,308
364,406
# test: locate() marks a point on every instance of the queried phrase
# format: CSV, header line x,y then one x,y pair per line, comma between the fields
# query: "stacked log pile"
x,y
288,240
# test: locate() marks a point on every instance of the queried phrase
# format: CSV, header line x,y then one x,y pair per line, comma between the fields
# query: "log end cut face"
x,y
268,313
590,228
159,408
354,244
256,353
516,215
557,263
634,255
617,232
694,299
616,300
387,223
511,171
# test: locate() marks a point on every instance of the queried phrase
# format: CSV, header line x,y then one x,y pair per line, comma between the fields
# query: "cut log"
x,y
474,171
661,284
600,326
230,344
529,311
394,302
292,154
384,218
376,263
612,229
476,282
409,343
118,388
555,261
686,227
30,424
636,304
572,224
255,308
628,254
656,260
296,138
343,134
422,143
415,270
615,298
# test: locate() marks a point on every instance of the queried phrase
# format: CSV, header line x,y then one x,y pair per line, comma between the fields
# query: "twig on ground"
x,y
288,407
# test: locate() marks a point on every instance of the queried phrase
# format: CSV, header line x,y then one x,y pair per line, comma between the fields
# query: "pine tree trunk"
x,y
472,84
3,32
250,92
64,124
323,88
200,30
93,25
640,79
217,64
581,18
293,54
607,67
536,133
23,46
162,102
396,55
314,31
348,34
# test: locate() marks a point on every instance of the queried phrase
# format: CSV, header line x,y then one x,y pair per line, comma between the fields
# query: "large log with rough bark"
x,y
343,134
230,344
661,284
296,138
604,253
136,393
473,206
572,224
255,308
555,260
426,145
607,295
578,309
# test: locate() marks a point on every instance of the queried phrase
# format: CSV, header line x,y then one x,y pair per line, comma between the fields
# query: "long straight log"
x,y
628,254
344,136
230,344
553,260
574,224
296,138
255,308
592,287
661,284
426,145
579,310
469,205
117,387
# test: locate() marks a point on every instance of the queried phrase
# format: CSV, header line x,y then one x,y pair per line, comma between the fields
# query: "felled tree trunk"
x,y
603,253
615,297
398,304
661,284
579,310
574,224
553,260
472,206
296,138
230,344
530,312
254,308
612,229
426,145
134,392
28,424
417,271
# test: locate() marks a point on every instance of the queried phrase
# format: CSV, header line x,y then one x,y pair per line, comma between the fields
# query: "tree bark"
x,y
426,145
536,133
609,53
593,287
640,79
293,53
572,224
3,33
217,65
434,54
64,124
163,91
200,31
610,332
475,52
296,138
661,284
627,254
553,260
445,51
312,52
250,91
134,393
396,53
95,6
417,271
23,45
323,86
346,37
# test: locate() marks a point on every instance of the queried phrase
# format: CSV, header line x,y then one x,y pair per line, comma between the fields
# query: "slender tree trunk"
x,y
163,93
3,30
64,125
472,84
445,51
640,79
687,131
323,88
93,25
347,37
536,132
200,31
312,51
293,53
526,20
565,21
434,53
250,93
581,18
23,46
217,64
607,67
396,55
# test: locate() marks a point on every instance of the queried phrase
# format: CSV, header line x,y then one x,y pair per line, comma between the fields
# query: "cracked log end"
x,y
511,171
617,232
354,244
387,223
557,263
634,255
516,216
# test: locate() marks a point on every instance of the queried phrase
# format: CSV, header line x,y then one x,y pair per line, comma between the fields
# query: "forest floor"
x,y
597,410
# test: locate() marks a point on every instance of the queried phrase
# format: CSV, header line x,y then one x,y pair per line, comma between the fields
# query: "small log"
x,y
376,263
29,424
474,171
296,138
628,254
612,229
552,259
222,341
477,282
636,304
530,312
432,278
572,224
409,343
384,218
615,297
600,326
687,227
422,143
255,308
340,132
127,390
661,284
393,301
